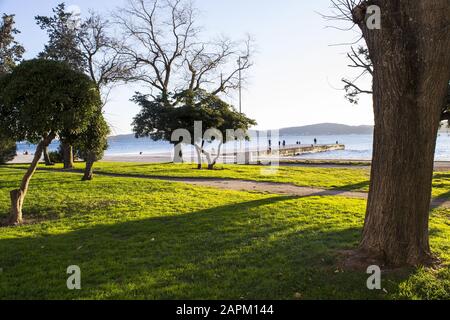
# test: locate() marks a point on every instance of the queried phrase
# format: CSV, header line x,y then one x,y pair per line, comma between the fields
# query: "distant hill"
x,y
321,129
122,137
326,129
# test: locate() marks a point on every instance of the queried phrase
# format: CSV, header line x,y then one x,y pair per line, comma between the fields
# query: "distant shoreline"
x,y
166,158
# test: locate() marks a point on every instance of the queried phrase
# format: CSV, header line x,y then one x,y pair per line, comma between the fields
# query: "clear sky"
x,y
297,72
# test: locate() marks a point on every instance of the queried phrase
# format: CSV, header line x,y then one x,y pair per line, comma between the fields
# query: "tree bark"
x,y
178,154
411,71
89,169
68,156
47,160
198,150
18,195
216,158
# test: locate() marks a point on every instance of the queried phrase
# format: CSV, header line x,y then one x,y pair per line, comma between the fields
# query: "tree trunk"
x,y
18,195
89,169
48,161
178,154
411,70
198,150
216,158
67,155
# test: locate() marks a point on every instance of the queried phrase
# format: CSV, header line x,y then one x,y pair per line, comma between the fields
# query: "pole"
x,y
240,86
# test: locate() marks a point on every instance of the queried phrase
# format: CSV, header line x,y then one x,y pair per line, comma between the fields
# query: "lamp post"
x,y
240,85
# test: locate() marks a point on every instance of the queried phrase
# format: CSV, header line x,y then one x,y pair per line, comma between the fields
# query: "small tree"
x,y
159,122
63,45
38,100
92,143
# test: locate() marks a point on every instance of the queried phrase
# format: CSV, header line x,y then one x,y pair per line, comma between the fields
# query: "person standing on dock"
x,y
284,143
315,140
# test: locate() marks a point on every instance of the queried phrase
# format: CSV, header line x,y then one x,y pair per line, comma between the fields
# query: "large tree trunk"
x,y
47,160
411,71
89,169
67,155
18,195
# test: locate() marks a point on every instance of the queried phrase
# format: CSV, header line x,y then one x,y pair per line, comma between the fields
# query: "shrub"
x,y
8,150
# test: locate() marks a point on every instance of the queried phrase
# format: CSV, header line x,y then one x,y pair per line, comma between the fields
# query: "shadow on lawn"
x,y
439,201
228,252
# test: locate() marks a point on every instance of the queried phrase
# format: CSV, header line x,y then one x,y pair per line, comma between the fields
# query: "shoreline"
x,y
167,158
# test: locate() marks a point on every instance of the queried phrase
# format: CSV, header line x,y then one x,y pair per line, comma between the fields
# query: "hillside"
x,y
310,130
326,129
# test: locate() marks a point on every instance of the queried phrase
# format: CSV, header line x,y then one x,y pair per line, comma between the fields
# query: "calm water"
x,y
358,147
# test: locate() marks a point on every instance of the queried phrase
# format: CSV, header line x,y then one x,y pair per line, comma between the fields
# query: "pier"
x,y
256,155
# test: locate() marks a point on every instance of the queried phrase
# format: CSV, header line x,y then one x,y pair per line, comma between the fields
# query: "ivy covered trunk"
x,y
411,72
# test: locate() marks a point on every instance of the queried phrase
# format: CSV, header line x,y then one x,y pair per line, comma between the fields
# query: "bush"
x,y
8,150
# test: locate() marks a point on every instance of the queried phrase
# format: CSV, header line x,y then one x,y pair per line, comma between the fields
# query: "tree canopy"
x,y
159,121
38,100
41,97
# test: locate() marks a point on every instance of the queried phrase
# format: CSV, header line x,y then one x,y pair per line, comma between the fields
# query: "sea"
x,y
357,147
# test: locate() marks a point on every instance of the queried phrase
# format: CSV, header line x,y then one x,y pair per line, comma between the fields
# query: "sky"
x,y
299,63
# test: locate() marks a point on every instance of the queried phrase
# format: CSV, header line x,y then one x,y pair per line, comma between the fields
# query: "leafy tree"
x,y
63,45
159,122
11,51
92,143
38,100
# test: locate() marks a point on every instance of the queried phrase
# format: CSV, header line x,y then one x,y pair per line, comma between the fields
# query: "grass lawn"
x,y
148,239
351,179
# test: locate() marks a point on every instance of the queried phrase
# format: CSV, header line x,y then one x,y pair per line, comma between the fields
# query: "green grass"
x,y
148,239
351,179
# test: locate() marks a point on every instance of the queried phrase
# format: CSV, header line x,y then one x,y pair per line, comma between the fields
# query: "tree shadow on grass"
x,y
440,200
228,252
